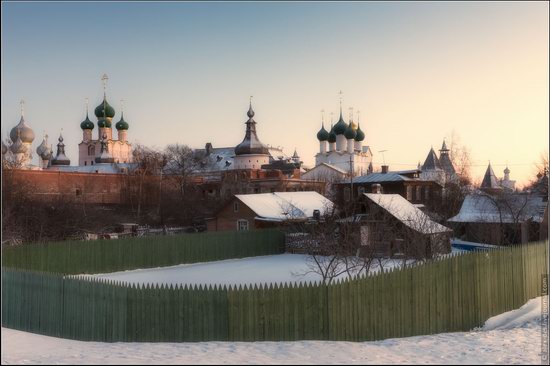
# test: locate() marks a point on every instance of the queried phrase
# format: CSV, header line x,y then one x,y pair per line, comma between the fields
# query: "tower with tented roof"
x,y
439,169
251,153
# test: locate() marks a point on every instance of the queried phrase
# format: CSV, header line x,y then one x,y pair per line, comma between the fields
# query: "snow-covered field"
x,y
255,270
513,337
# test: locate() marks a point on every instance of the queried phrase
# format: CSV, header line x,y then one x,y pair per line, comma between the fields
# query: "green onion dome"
x,y
340,126
350,132
122,124
360,136
109,111
101,122
322,135
332,135
87,124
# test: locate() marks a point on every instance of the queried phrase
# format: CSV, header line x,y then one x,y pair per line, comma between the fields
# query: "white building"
x,y
89,150
251,153
342,147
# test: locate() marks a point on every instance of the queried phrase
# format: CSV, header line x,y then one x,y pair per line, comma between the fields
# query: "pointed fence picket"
x,y
455,293
103,256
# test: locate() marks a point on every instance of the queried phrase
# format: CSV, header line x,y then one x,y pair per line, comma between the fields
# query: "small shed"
x,y
501,218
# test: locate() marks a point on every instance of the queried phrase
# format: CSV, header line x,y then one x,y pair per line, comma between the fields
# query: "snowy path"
x,y
515,338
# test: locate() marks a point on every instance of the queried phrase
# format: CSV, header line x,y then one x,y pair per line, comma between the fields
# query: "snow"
x,y
529,313
518,343
255,270
407,213
481,208
285,205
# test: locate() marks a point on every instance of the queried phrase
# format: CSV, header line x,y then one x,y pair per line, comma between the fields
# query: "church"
x,y
105,153
341,151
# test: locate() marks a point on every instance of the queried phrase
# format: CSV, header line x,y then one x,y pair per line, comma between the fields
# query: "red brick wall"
x,y
70,186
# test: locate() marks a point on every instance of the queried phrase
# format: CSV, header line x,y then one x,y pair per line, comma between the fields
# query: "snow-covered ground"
x,y
256,270
513,337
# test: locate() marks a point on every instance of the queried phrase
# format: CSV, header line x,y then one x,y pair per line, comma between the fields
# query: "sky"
x,y
417,72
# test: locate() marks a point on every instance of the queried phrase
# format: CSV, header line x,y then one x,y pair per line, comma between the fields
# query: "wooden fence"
x,y
456,293
101,256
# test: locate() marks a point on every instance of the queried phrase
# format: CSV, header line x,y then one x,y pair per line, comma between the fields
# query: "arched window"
x,y
91,150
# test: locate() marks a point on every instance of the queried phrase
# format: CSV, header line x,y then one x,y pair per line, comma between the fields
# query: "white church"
x,y
341,152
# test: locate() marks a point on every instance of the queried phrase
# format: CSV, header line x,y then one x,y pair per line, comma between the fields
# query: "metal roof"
x,y
431,162
381,178
490,180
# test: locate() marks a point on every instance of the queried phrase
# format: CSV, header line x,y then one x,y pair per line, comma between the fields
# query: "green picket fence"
x,y
101,256
455,293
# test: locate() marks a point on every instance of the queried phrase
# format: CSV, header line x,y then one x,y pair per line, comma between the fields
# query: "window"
x,y
85,163
418,193
409,193
91,150
92,162
347,195
236,206
242,225
78,192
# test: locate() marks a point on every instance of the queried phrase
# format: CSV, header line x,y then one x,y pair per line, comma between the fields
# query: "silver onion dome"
x,y
17,147
25,132
43,147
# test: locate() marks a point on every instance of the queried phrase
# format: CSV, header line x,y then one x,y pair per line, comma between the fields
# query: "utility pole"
x,y
351,177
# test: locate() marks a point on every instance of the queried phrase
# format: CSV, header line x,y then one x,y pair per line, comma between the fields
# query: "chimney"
x,y
385,169
208,148
376,188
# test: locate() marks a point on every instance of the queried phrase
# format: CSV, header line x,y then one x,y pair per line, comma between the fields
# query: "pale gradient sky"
x,y
416,71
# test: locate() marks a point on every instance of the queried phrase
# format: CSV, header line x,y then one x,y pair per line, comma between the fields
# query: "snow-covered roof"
x,y
221,158
281,206
504,208
404,211
330,166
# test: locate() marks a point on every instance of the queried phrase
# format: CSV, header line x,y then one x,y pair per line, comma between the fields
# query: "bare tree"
x,y
332,245
507,212
149,162
539,183
461,158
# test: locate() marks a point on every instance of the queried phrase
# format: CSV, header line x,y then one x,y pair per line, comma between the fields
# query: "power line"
x,y
485,165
